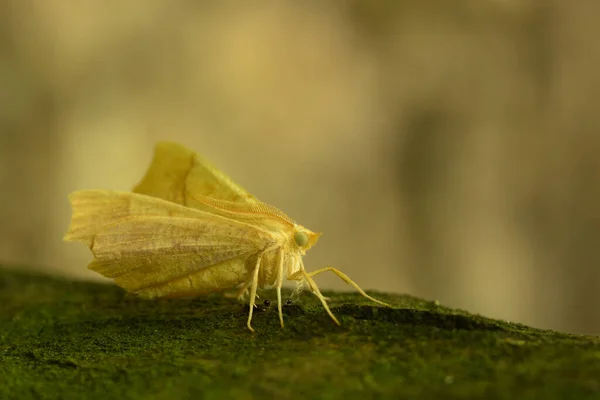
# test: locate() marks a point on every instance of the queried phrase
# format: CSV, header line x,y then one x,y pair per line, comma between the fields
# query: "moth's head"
x,y
304,238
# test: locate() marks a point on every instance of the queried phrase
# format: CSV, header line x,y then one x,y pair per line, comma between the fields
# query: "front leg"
x,y
349,281
299,278
241,293
314,288
279,284
253,288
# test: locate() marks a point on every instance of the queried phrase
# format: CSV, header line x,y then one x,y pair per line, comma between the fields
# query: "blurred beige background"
x,y
449,150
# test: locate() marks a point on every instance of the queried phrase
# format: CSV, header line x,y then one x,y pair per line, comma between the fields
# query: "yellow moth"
x,y
188,230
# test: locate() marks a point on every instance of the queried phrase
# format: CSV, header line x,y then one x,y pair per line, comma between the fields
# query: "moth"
x,y
188,230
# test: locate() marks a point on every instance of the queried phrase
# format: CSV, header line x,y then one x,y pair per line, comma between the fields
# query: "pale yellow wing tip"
x,y
70,235
166,144
75,194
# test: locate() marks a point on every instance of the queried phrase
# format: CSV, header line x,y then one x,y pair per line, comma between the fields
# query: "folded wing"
x,y
176,172
160,249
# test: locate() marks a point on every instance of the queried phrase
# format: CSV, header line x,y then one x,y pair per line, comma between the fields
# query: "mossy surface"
x,y
80,340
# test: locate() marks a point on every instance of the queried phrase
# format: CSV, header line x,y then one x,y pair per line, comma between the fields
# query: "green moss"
x,y
62,339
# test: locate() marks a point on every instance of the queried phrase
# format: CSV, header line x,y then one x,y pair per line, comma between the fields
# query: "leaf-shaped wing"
x,y
160,249
176,172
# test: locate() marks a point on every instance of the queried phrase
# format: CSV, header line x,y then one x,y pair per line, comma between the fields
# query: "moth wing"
x,y
166,256
176,172
159,249
94,210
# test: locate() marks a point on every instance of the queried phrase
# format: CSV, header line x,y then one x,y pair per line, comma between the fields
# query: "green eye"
x,y
301,238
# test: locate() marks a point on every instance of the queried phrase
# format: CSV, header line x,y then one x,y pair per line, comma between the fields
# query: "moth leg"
x,y
244,290
297,276
279,284
349,281
253,292
317,292
241,294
